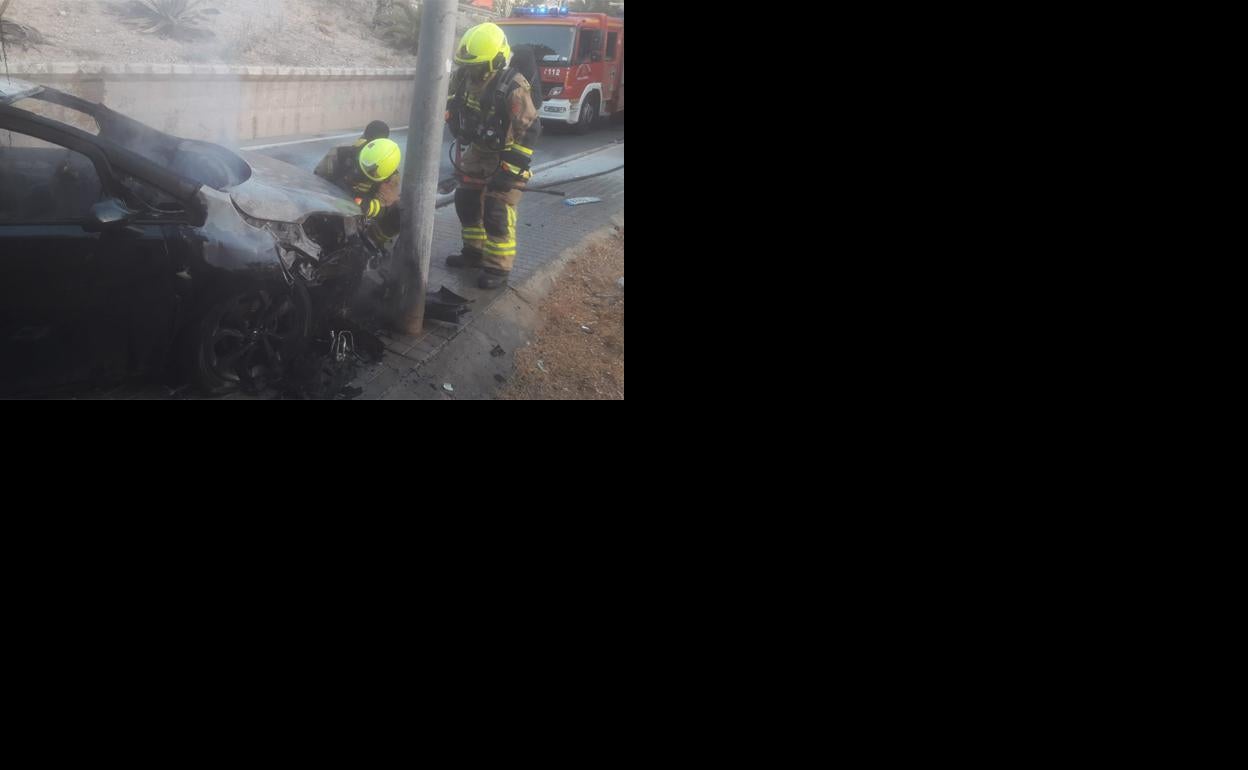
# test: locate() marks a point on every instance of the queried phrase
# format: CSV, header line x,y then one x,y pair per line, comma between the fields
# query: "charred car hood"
x,y
280,192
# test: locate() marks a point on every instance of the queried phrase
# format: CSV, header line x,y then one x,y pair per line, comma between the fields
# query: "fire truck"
x,y
581,58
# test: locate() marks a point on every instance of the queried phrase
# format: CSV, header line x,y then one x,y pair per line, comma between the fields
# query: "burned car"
x,y
126,251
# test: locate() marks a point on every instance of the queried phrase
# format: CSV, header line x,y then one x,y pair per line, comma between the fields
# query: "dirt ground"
x,y
564,360
297,33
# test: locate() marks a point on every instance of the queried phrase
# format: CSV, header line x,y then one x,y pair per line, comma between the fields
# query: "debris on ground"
x,y
325,370
498,351
445,305
578,348
448,387
582,201
368,344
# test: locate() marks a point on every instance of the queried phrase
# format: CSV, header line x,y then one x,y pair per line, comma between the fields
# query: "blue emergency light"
x,y
542,11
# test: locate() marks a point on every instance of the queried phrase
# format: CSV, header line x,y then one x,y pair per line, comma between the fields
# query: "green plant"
x,y
177,19
12,33
403,29
20,35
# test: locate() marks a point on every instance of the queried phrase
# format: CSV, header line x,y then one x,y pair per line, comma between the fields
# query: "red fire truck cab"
x,y
581,56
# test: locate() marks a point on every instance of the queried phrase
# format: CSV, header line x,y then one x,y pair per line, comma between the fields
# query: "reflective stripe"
x,y
517,170
503,246
524,150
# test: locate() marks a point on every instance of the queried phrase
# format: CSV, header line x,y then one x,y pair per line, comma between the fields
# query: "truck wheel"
x,y
589,114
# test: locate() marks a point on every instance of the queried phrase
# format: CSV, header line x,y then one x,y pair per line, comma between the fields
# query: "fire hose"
x,y
448,185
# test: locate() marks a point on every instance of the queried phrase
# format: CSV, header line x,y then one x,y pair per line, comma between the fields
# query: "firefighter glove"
x,y
518,156
509,177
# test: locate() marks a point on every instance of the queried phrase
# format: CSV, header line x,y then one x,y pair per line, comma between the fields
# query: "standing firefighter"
x,y
490,111
368,170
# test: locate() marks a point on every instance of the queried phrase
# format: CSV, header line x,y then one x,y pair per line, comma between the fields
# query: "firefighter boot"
x,y
468,258
492,279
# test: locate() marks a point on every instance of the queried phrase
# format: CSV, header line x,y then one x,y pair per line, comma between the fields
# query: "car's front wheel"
x,y
249,338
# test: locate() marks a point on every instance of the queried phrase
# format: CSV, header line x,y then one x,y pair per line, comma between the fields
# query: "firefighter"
x,y
491,112
378,129
368,169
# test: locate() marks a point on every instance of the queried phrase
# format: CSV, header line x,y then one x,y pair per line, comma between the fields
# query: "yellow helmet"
x,y
484,44
379,159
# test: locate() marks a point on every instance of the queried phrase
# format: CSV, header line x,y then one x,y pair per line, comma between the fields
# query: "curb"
x,y
485,319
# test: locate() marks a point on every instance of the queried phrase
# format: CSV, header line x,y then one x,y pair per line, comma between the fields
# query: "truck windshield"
x,y
552,43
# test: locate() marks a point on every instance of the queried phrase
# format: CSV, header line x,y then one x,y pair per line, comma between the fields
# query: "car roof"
x,y
12,89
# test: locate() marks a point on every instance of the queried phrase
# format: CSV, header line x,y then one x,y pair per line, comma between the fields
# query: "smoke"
x,y
226,88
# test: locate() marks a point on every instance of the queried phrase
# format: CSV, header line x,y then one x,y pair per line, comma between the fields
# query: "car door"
x,y
65,306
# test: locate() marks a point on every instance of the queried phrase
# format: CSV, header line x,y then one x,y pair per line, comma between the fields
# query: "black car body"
x,y
123,249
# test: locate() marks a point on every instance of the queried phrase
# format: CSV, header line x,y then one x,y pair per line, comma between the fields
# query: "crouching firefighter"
x,y
368,171
490,111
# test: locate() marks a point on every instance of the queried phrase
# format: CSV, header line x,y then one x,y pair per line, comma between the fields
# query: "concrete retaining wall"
x,y
232,104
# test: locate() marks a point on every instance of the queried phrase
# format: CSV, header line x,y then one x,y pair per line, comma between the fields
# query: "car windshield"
x,y
551,43
199,162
